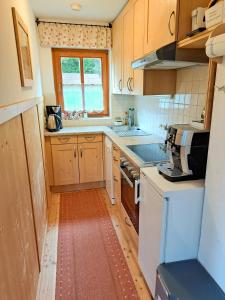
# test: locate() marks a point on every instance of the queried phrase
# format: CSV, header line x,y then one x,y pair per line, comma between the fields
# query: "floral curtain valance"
x,y
74,36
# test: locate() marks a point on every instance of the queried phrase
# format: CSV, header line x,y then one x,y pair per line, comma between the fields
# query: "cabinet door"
x,y
90,162
117,56
151,231
128,26
160,23
65,164
138,45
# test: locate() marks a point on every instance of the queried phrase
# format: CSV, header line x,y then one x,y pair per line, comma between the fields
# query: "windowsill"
x,y
90,119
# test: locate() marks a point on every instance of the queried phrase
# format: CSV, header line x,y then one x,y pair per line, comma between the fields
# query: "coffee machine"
x,y
53,118
188,151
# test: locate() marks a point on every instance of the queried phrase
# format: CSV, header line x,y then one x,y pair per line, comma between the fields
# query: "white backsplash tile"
x,y
184,107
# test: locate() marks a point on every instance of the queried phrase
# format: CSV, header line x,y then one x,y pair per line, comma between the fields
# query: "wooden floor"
x,y
126,235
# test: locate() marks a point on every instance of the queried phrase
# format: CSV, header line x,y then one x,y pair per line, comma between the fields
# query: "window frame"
x,y
57,53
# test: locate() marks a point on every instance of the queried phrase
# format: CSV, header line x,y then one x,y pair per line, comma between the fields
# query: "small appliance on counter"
x,y
53,118
215,13
188,151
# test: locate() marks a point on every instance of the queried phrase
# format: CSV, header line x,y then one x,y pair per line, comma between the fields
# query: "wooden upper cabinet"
x,y
65,164
138,45
128,54
117,35
90,162
160,23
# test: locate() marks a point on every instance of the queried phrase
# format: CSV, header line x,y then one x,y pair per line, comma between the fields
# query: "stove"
x,y
150,154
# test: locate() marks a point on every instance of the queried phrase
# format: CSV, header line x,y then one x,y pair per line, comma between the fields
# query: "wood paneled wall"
x,y
36,172
22,201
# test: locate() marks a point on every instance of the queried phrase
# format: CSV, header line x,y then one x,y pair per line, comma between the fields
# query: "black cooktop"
x,y
150,153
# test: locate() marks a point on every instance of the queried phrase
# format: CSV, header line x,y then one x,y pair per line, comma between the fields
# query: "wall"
x,y
119,104
212,245
10,87
185,106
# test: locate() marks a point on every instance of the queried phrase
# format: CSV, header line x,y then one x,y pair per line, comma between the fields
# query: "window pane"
x,y
93,89
71,83
94,98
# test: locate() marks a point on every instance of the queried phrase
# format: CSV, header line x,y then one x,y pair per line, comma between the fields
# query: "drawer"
x,y
90,138
116,172
117,188
116,161
59,140
116,153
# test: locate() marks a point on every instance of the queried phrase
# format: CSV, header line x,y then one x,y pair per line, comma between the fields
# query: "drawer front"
x,y
116,161
116,151
90,138
116,173
60,140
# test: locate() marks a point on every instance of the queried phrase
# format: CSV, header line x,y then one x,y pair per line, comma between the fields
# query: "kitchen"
x,y
111,150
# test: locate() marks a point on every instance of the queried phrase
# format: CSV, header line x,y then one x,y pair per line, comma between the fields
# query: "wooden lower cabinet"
x,y
77,160
19,268
116,174
90,162
65,164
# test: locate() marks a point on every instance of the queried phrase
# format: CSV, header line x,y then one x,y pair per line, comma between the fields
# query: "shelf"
x,y
197,41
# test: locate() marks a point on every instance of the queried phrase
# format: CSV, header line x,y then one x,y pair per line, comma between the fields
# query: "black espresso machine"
x,y
53,118
188,151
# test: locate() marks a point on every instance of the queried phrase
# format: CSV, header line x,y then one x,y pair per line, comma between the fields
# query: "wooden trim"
x,y
210,93
77,187
102,54
8,112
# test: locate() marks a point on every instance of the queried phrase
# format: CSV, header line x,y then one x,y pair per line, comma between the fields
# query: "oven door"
x,y
129,197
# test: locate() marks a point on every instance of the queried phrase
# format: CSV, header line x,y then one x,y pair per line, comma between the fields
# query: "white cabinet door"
x,y
153,209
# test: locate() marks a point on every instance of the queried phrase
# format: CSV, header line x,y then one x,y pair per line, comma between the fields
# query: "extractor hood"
x,y
171,57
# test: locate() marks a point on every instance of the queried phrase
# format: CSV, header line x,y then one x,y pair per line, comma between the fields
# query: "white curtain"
x,y
74,36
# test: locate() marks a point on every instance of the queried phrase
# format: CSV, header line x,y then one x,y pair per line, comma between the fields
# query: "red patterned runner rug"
x,y
90,264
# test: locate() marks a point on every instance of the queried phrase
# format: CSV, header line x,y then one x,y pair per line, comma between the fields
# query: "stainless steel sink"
x,y
125,131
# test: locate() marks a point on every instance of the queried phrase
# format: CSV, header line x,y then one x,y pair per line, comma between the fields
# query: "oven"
x,y
130,191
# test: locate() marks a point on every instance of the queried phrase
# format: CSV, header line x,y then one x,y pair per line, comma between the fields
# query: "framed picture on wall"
x,y
23,50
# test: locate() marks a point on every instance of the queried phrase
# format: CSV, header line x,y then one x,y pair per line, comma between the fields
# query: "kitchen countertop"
x,y
121,142
164,186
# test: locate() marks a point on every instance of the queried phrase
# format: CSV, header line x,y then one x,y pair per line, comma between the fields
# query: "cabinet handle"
x,y
115,179
127,222
63,139
131,79
128,84
169,23
120,85
88,138
81,153
75,153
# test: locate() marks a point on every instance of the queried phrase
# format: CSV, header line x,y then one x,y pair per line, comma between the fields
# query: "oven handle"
x,y
126,177
137,191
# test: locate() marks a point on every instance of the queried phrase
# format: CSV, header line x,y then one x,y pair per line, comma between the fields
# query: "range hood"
x,y
170,57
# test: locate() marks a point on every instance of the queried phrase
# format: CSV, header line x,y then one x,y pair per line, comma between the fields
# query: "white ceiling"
x,y
102,11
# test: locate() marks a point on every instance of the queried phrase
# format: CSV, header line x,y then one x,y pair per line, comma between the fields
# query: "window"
x,y
82,80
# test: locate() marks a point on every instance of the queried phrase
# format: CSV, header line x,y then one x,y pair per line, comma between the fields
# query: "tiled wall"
x,y
184,107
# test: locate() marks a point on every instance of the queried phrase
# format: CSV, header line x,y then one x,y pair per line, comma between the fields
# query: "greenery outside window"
x,y
82,80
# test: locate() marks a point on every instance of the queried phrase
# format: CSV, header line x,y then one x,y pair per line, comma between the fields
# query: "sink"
x,y
125,131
